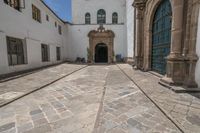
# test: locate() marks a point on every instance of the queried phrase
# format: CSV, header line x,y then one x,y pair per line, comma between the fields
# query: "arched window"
x,y
101,16
114,18
87,18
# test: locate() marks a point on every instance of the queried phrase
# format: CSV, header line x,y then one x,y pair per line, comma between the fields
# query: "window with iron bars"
x,y
15,49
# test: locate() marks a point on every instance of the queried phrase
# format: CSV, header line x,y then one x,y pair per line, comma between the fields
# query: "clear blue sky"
x,y
61,7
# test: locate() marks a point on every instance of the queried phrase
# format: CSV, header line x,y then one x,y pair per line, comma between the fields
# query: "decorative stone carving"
x,y
182,59
101,35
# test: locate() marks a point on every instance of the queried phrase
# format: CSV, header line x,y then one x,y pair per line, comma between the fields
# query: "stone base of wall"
x,y
129,60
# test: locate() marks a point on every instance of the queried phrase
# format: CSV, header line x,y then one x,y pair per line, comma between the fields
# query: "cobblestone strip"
x,y
23,95
163,111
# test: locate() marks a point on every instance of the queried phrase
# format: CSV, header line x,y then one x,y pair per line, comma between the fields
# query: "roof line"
x,y
54,12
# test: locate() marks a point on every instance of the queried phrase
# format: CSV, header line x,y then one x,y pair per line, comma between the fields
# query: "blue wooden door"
x,y
161,37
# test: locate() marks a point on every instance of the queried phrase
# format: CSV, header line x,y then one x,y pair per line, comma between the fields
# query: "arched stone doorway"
x,y
101,53
100,41
161,37
181,61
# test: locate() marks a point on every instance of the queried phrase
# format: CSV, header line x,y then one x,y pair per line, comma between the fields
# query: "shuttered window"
x,y
36,14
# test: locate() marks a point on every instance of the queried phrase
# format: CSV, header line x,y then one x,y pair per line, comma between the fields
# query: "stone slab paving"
x,y
183,108
96,99
13,89
69,105
127,110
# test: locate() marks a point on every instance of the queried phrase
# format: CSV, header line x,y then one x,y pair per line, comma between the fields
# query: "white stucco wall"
x,y
78,40
197,72
74,39
78,31
81,7
130,27
21,25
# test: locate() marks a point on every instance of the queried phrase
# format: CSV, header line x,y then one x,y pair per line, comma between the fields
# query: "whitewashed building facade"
x,y
79,29
32,35
25,36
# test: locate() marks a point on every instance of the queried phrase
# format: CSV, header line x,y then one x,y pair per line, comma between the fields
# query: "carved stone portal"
x,y
101,36
181,62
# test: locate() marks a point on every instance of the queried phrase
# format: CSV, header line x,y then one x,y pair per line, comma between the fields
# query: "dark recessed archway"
x,y
101,53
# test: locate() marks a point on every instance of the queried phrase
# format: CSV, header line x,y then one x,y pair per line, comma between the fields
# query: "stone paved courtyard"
x,y
97,99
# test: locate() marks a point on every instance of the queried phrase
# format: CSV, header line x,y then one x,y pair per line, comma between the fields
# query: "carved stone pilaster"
x,y
139,5
175,61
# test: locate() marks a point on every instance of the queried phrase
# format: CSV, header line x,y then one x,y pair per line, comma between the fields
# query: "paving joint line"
x,y
35,90
165,114
100,107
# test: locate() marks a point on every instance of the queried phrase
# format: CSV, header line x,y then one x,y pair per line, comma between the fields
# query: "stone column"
x,y
187,20
175,61
139,5
192,57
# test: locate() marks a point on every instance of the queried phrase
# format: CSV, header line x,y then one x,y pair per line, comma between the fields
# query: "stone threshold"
x,y
180,89
176,89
